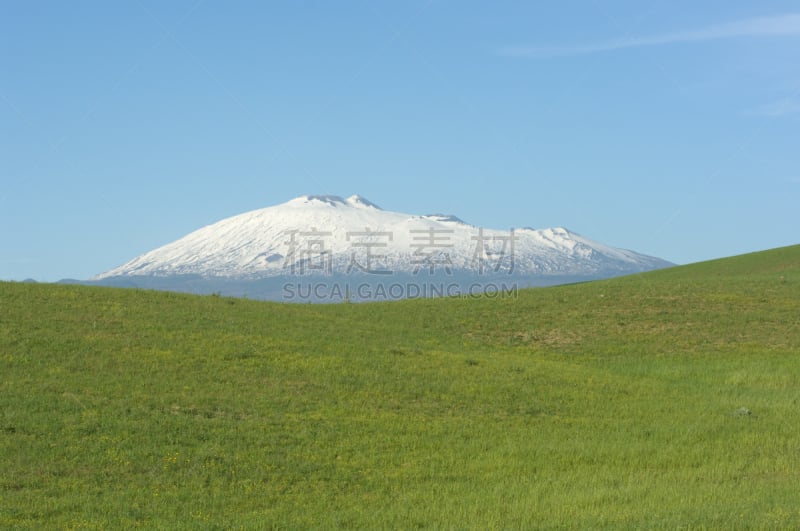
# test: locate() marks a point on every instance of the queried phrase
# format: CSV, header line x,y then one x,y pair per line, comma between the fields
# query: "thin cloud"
x,y
779,108
781,25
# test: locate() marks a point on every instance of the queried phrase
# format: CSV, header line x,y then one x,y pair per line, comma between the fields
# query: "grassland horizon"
x,y
667,399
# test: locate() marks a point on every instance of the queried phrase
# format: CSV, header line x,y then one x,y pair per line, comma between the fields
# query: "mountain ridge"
x,y
327,235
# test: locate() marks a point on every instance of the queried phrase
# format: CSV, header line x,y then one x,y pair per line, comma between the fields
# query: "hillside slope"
x,y
663,399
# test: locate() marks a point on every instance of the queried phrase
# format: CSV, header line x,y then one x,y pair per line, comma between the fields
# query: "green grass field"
x,y
664,400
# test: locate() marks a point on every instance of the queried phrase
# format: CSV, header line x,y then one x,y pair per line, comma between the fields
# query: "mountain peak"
x,y
334,201
445,218
361,201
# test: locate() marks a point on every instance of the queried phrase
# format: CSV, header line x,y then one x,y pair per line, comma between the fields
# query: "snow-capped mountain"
x,y
328,236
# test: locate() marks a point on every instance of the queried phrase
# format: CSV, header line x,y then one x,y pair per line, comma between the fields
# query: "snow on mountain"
x,y
326,234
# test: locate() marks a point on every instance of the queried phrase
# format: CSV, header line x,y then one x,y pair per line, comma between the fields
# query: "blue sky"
x,y
666,127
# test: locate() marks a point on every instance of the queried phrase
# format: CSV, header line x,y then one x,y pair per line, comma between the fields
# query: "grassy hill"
x,y
667,399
